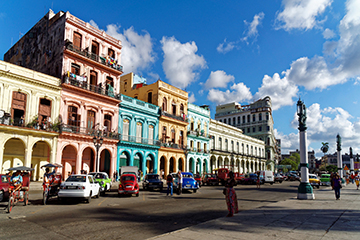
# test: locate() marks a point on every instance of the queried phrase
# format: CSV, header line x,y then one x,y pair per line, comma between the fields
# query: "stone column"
x,y
339,157
1,158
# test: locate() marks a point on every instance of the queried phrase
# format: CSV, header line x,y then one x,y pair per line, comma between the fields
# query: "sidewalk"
x,y
322,218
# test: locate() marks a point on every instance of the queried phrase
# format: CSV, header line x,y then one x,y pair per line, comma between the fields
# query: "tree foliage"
x,y
331,168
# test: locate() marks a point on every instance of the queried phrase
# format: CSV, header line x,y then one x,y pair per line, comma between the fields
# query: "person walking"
x,y
230,195
337,186
180,182
169,181
258,179
357,180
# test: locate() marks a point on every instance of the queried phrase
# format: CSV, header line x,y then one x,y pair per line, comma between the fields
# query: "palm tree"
x,y
324,148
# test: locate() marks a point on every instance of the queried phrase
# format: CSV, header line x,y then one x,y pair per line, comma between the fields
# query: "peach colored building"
x,y
87,61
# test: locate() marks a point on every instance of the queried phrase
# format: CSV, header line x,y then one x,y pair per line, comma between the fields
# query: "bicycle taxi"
x,y
52,181
19,190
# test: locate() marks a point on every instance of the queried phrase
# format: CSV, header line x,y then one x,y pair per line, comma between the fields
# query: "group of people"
x,y
170,183
336,182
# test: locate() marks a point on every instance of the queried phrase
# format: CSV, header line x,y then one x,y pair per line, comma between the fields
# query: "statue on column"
x,y
351,153
338,142
301,112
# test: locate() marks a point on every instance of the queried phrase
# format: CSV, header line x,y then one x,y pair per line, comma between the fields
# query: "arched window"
x,y
173,135
163,135
164,104
149,97
181,110
173,108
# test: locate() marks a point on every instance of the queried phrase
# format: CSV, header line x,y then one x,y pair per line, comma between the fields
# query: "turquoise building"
x,y
139,135
198,149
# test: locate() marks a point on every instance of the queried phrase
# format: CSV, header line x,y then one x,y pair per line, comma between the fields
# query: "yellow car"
x,y
314,181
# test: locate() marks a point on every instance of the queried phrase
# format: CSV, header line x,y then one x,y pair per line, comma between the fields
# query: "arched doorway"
x,y
14,153
247,167
256,167
252,166
40,156
162,166
181,165
172,165
191,165
198,166
105,159
150,164
212,163
68,161
204,166
242,166
88,160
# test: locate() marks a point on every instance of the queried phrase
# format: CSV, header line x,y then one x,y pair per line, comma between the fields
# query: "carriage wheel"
x,y
26,198
10,204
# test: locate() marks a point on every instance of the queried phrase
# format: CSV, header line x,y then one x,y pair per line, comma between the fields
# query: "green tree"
x,y
295,157
288,161
324,148
331,168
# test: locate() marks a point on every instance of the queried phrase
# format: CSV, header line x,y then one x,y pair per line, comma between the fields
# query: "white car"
x,y
79,186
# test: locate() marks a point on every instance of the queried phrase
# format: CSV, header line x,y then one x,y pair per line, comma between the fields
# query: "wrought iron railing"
x,y
88,131
180,118
141,140
173,145
103,60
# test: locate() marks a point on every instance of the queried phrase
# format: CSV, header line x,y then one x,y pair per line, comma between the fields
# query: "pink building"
x,y
87,62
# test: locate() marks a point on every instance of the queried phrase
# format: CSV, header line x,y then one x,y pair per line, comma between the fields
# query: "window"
x,y
248,118
198,146
255,151
192,125
149,97
252,153
229,121
239,120
267,116
173,108
260,116
254,129
173,135
181,138
267,128
205,147
253,117
220,120
191,144
268,141
126,129
164,104
226,145
248,130
181,109
234,121
243,148
151,134
247,149
73,117
90,119
94,51
138,132
260,129
220,143
44,109
93,79
77,40
163,135
109,81
243,119
75,69
232,146
111,53
238,147
224,120
107,122
18,107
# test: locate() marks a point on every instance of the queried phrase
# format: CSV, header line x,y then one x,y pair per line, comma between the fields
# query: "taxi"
x,y
314,181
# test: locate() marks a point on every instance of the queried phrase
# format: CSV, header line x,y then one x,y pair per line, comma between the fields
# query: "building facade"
x,y
29,113
172,122
254,120
87,61
232,149
198,138
139,141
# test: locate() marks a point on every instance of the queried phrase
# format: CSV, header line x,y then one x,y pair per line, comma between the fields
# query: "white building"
x,y
230,148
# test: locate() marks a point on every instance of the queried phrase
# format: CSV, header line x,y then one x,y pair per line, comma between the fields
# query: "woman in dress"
x,y
230,195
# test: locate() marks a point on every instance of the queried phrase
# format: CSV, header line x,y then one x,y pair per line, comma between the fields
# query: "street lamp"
x,y
305,190
98,141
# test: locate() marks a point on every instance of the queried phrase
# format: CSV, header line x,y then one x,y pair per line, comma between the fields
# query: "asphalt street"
x,y
113,217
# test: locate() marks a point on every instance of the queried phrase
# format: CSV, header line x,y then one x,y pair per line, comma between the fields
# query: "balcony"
x,y
180,118
81,82
141,140
88,131
105,60
33,124
198,134
173,145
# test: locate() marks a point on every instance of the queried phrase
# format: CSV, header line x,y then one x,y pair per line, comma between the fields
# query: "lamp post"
x,y
305,190
98,141
351,161
339,157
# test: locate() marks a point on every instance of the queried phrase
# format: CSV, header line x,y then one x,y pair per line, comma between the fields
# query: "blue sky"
x,y
226,51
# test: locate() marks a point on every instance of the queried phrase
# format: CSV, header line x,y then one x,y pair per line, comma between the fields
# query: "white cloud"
x,y
239,93
192,98
218,79
137,52
328,33
252,31
225,47
181,61
279,89
288,142
93,23
300,14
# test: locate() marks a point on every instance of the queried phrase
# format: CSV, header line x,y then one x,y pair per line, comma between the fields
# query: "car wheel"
x,y
98,194
1,195
137,195
195,190
280,181
10,204
317,186
161,188
271,183
88,200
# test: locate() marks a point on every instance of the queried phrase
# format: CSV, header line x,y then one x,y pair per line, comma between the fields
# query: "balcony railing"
x,y
107,61
88,131
141,140
180,118
71,80
34,124
199,134
173,145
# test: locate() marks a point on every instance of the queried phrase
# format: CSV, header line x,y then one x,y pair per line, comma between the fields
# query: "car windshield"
x,y
325,176
155,177
187,175
76,179
128,178
312,176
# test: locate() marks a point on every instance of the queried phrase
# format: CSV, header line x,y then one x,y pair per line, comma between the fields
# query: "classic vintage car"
x,y
152,181
209,179
104,181
239,177
4,187
197,177
128,185
251,179
293,177
79,186
325,179
189,183
314,180
279,178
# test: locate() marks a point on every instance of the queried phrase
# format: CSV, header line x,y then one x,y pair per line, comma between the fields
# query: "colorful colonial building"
x,y
139,141
198,138
232,149
87,61
29,113
172,122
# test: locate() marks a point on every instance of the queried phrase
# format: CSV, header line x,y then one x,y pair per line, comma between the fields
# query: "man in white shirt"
x,y
180,182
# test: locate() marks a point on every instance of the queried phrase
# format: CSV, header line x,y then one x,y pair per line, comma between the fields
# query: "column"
x,y
78,163
1,158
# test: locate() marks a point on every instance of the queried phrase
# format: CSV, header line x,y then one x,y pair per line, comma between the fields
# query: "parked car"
x,y
197,177
189,183
152,181
209,179
250,179
267,177
314,180
293,177
4,187
279,178
104,181
223,175
325,179
128,185
79,186
239,177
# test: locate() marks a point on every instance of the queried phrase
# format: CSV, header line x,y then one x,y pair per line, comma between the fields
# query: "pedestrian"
x,y
230,195
180,182
337,186
347,177
352,178
258,179
357,180
169,181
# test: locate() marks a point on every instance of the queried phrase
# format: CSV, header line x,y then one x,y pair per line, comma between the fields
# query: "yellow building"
x,y
172,123
29,111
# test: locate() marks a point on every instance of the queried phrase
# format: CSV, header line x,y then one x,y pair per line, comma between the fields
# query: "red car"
x,y
210,179
239,177
128,185
4,187
197,178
